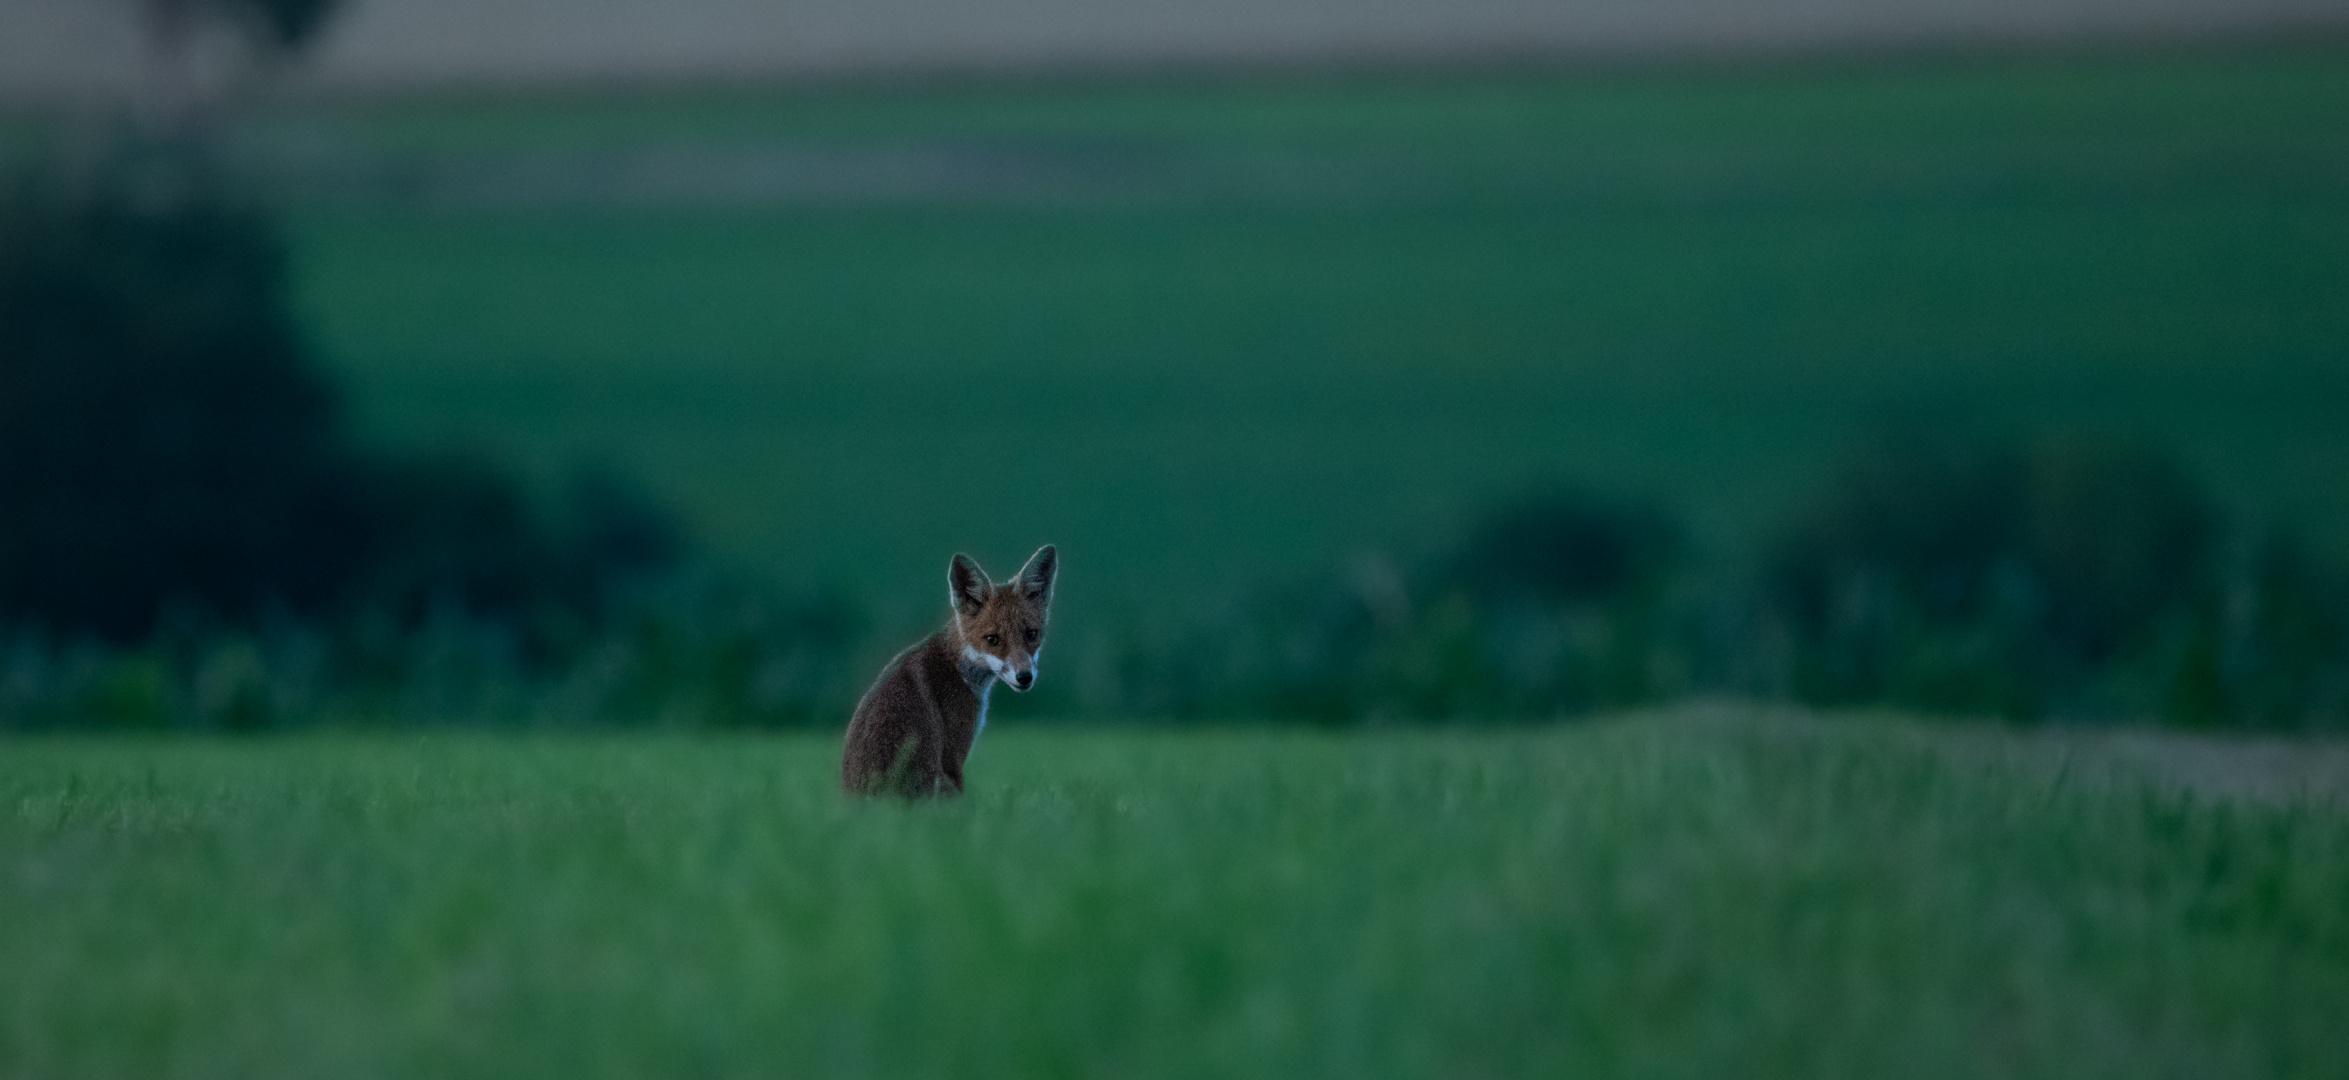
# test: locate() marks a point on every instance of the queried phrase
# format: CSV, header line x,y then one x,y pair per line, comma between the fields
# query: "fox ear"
x,y
1035,579
966,585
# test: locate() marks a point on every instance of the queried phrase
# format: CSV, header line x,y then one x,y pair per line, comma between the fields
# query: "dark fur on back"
x,y
913,730
915,727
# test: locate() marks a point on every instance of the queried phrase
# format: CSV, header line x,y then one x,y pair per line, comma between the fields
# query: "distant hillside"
x,y
51,48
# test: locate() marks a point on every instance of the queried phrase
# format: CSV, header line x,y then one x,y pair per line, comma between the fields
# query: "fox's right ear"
x,y
966,585
1036,577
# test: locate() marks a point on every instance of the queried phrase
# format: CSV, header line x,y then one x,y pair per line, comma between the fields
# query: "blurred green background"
x,y
1203,332
1264,349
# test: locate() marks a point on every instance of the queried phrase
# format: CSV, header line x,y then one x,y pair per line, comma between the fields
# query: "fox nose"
x,y
1023,679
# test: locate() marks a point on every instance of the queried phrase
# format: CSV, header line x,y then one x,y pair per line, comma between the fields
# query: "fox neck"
x,y
976,671
981,679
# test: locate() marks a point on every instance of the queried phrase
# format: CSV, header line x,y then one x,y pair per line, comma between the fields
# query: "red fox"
x,y
912,730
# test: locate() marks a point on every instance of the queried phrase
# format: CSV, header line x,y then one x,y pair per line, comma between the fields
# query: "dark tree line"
x,y
1942,572
168,444
171,98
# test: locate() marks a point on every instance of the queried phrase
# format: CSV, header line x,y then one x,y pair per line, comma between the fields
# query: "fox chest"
x,y
963,709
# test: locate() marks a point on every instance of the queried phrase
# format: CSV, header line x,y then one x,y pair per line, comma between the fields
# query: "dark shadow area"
x,y
164,438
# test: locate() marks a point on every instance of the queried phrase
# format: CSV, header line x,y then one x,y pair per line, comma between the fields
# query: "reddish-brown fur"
x,y
913,730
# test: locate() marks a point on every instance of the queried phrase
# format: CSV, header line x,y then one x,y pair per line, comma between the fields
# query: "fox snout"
x,y
1020,672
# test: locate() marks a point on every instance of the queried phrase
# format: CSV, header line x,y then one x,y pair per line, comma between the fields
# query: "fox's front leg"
x,y
930,757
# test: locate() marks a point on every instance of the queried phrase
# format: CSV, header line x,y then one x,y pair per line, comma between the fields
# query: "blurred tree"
x,y
169,446
1561,546
1957,572
175,473
172,92
162,435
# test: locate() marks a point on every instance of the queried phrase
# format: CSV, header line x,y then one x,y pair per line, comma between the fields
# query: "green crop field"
x,y
1698,895
1203,332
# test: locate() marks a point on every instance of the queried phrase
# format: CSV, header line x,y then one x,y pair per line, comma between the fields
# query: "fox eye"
x,y
994,639
1031,637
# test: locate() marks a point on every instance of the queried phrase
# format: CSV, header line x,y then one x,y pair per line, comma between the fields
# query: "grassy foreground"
x,y
1656,897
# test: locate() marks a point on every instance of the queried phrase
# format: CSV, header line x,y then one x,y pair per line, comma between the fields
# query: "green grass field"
x,y
1699,895
1215,330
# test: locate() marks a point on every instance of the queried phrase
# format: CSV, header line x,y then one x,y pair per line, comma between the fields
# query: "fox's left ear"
x,y
1035,579
966,586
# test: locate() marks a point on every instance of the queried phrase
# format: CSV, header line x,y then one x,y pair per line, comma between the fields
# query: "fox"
x,y
912,731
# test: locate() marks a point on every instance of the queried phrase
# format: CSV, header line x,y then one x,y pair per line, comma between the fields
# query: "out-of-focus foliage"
x,y
2027,580
285,24
690,653
1559,602
190,539
167,445
456,532
2050,579
164,439
181,510
177,97
2045,581
289,23
1562,548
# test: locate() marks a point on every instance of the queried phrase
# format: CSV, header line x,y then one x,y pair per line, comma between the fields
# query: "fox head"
x,y
1002,626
